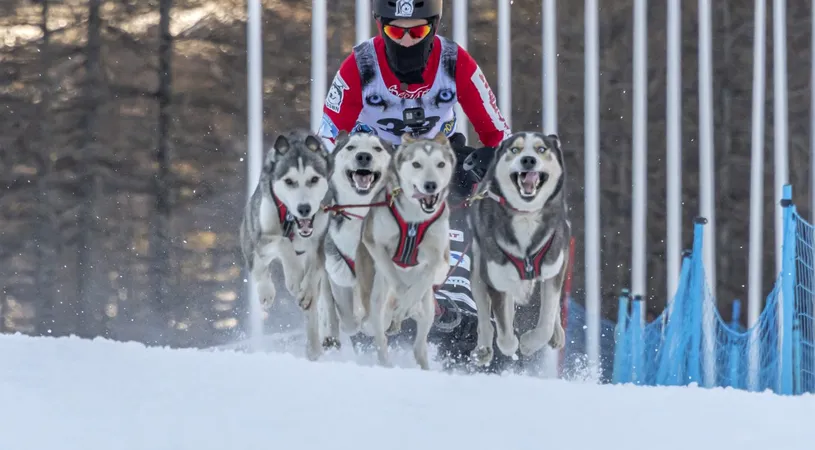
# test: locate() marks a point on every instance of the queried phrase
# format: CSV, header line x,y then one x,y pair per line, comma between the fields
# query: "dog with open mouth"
x,y
406,248
520,244
284,221
360,162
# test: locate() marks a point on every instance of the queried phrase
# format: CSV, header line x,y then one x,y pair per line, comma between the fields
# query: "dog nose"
x,y
303,209
430,187
528,162
364,159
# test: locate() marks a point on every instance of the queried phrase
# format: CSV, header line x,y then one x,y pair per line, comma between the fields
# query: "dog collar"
x,y
283,215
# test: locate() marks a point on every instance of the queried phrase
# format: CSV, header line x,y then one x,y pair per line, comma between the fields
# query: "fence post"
x,y
734,351
696,302
637,341
621,350
787,304
669,371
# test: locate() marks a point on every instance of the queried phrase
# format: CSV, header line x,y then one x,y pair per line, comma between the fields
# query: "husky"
x,y
406,249
284,221
360,162
520,240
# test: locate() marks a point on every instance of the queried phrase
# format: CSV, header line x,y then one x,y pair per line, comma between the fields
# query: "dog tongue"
x,y
363,181
530,181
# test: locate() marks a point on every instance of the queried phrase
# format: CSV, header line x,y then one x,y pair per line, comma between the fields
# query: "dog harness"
x,y
286,219
411,235
529,268
349,262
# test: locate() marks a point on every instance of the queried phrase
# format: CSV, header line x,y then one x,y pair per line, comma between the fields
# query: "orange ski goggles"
x,y
397,33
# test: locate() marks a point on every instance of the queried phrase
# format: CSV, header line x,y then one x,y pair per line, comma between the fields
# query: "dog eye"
x,y
315,179
350,147
289,182
515,149
378,149
541,149
416,165
440,165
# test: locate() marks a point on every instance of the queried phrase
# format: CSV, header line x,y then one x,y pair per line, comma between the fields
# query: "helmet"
x,y
407,9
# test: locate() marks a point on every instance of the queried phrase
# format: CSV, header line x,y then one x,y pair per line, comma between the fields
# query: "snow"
x,y
74,394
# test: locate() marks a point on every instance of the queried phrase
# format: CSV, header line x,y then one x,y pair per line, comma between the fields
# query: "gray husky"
x,y
360,162
406,247
284,221
520,239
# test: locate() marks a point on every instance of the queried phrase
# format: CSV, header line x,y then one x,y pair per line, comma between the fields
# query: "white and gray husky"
x,y
520,245
360,162
284,221
406,248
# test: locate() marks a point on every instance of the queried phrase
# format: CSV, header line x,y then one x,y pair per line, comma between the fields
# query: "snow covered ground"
x,y
72,394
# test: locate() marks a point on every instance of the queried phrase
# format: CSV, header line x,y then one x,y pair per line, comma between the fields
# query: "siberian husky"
x,y
360,162
520,239
406,249
284,221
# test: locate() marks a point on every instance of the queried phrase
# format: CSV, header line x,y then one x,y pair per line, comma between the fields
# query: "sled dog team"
x,y
365,230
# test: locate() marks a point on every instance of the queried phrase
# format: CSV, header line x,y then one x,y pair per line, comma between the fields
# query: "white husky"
x,y
406,248
284,221
360,162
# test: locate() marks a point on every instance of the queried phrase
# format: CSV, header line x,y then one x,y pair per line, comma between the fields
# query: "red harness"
x,y
286,219
352,266
529,268
411,235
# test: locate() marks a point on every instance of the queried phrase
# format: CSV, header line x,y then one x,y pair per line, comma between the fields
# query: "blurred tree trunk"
x,y
160,227
90,184
45,228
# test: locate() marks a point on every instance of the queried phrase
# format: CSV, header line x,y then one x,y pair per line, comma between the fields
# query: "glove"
x,y
471,160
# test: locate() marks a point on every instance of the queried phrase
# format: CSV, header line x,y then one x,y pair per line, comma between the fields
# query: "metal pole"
x,y
363,20
549,107
639,187
504,61
254,160
460,36
706,172
755,295
674,146
592,186
549,110
319,61
780,125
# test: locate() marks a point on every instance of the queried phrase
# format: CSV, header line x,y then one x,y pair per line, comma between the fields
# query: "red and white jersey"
x,y
366,95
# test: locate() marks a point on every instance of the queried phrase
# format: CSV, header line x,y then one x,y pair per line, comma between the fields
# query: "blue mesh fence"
x,y
690,342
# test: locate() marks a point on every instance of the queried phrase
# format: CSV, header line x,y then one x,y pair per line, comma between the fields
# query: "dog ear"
x,y
281,145
341,135
313,143
552,141
441,138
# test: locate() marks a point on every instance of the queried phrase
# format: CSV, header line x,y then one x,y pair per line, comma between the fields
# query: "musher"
x,y
409,68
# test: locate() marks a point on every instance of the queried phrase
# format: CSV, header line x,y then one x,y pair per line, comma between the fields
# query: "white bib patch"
x,y
336,93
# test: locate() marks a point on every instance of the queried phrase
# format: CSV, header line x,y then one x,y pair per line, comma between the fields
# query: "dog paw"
x,y
305,300
266,294
313,352
331,343
508,343
395,328
558,340
531,342
482,355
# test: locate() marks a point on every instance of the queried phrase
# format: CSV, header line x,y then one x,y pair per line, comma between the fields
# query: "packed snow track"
x,y
73,394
